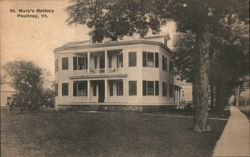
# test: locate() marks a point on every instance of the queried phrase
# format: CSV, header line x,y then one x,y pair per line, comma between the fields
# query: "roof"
x,y
7,88
86,44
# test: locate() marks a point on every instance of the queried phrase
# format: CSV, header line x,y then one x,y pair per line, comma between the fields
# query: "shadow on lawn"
x,y
103,134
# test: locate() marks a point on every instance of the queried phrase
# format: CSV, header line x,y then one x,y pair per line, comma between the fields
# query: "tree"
x,y
229,55
2,79
27,78
115,18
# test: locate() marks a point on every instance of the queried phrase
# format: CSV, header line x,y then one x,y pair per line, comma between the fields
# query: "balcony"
x,y
98,73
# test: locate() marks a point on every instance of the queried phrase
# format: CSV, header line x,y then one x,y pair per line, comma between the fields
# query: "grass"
x,y
106,134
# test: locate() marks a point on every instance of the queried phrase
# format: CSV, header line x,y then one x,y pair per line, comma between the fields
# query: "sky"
x,y
34,39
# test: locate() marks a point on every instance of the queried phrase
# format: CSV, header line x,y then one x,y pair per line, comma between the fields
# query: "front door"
x,y
101,91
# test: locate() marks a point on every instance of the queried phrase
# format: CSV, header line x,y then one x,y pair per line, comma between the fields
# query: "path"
x,y
235,139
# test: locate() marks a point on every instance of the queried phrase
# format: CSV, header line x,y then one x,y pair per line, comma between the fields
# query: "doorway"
x,y
101,91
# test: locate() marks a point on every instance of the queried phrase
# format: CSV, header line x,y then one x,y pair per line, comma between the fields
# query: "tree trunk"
x,y
212,95
201,80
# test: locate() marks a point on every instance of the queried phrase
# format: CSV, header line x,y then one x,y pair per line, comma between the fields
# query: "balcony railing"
x,y
93,71
115,70
96,71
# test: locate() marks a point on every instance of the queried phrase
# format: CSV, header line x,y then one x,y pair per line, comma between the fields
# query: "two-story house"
x,y
132,73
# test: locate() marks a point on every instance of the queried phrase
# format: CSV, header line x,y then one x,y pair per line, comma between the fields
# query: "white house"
x,y
136,73
185,91
6,92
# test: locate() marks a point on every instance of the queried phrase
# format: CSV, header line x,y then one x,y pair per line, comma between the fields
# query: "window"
x,y
150,59
156,87
120,60
65,63
56,65
119,89
148,88
132,88
95,61
56,89
164,89
164,63
132,59
65,88
80,88
80,63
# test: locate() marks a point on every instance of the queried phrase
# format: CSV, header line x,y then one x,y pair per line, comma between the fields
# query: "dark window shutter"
x,y
74,63
144,86
121,59
86,62
74,89
56,89
144,58
156,59
156,87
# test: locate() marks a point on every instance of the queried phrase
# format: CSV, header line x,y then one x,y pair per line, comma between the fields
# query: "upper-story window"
x,y
65,63
119,61
80,63
132,59
150,59
164,63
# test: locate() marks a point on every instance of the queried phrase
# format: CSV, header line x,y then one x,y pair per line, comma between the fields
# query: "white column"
x,y
106,62
88,55
106,90
88,90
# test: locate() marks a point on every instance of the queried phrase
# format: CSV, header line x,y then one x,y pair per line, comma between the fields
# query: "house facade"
x,y
6,93
185,91
132,73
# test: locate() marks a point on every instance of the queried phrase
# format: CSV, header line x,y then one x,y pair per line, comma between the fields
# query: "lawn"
x,y
105,134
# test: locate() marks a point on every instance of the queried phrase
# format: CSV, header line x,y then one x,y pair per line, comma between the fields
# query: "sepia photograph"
x,y
125,78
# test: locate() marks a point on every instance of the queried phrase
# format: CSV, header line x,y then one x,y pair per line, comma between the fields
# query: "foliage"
x,y
115,18
27,79
2,80
184,48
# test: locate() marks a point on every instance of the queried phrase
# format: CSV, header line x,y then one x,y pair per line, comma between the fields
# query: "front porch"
x,y
98,63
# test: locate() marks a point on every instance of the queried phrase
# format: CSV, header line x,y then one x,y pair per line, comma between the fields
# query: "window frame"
x,y
148,91
65,89
65,66
76,61
76,89
132,62
132,88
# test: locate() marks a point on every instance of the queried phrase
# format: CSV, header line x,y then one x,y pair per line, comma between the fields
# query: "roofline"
x,y
117,43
